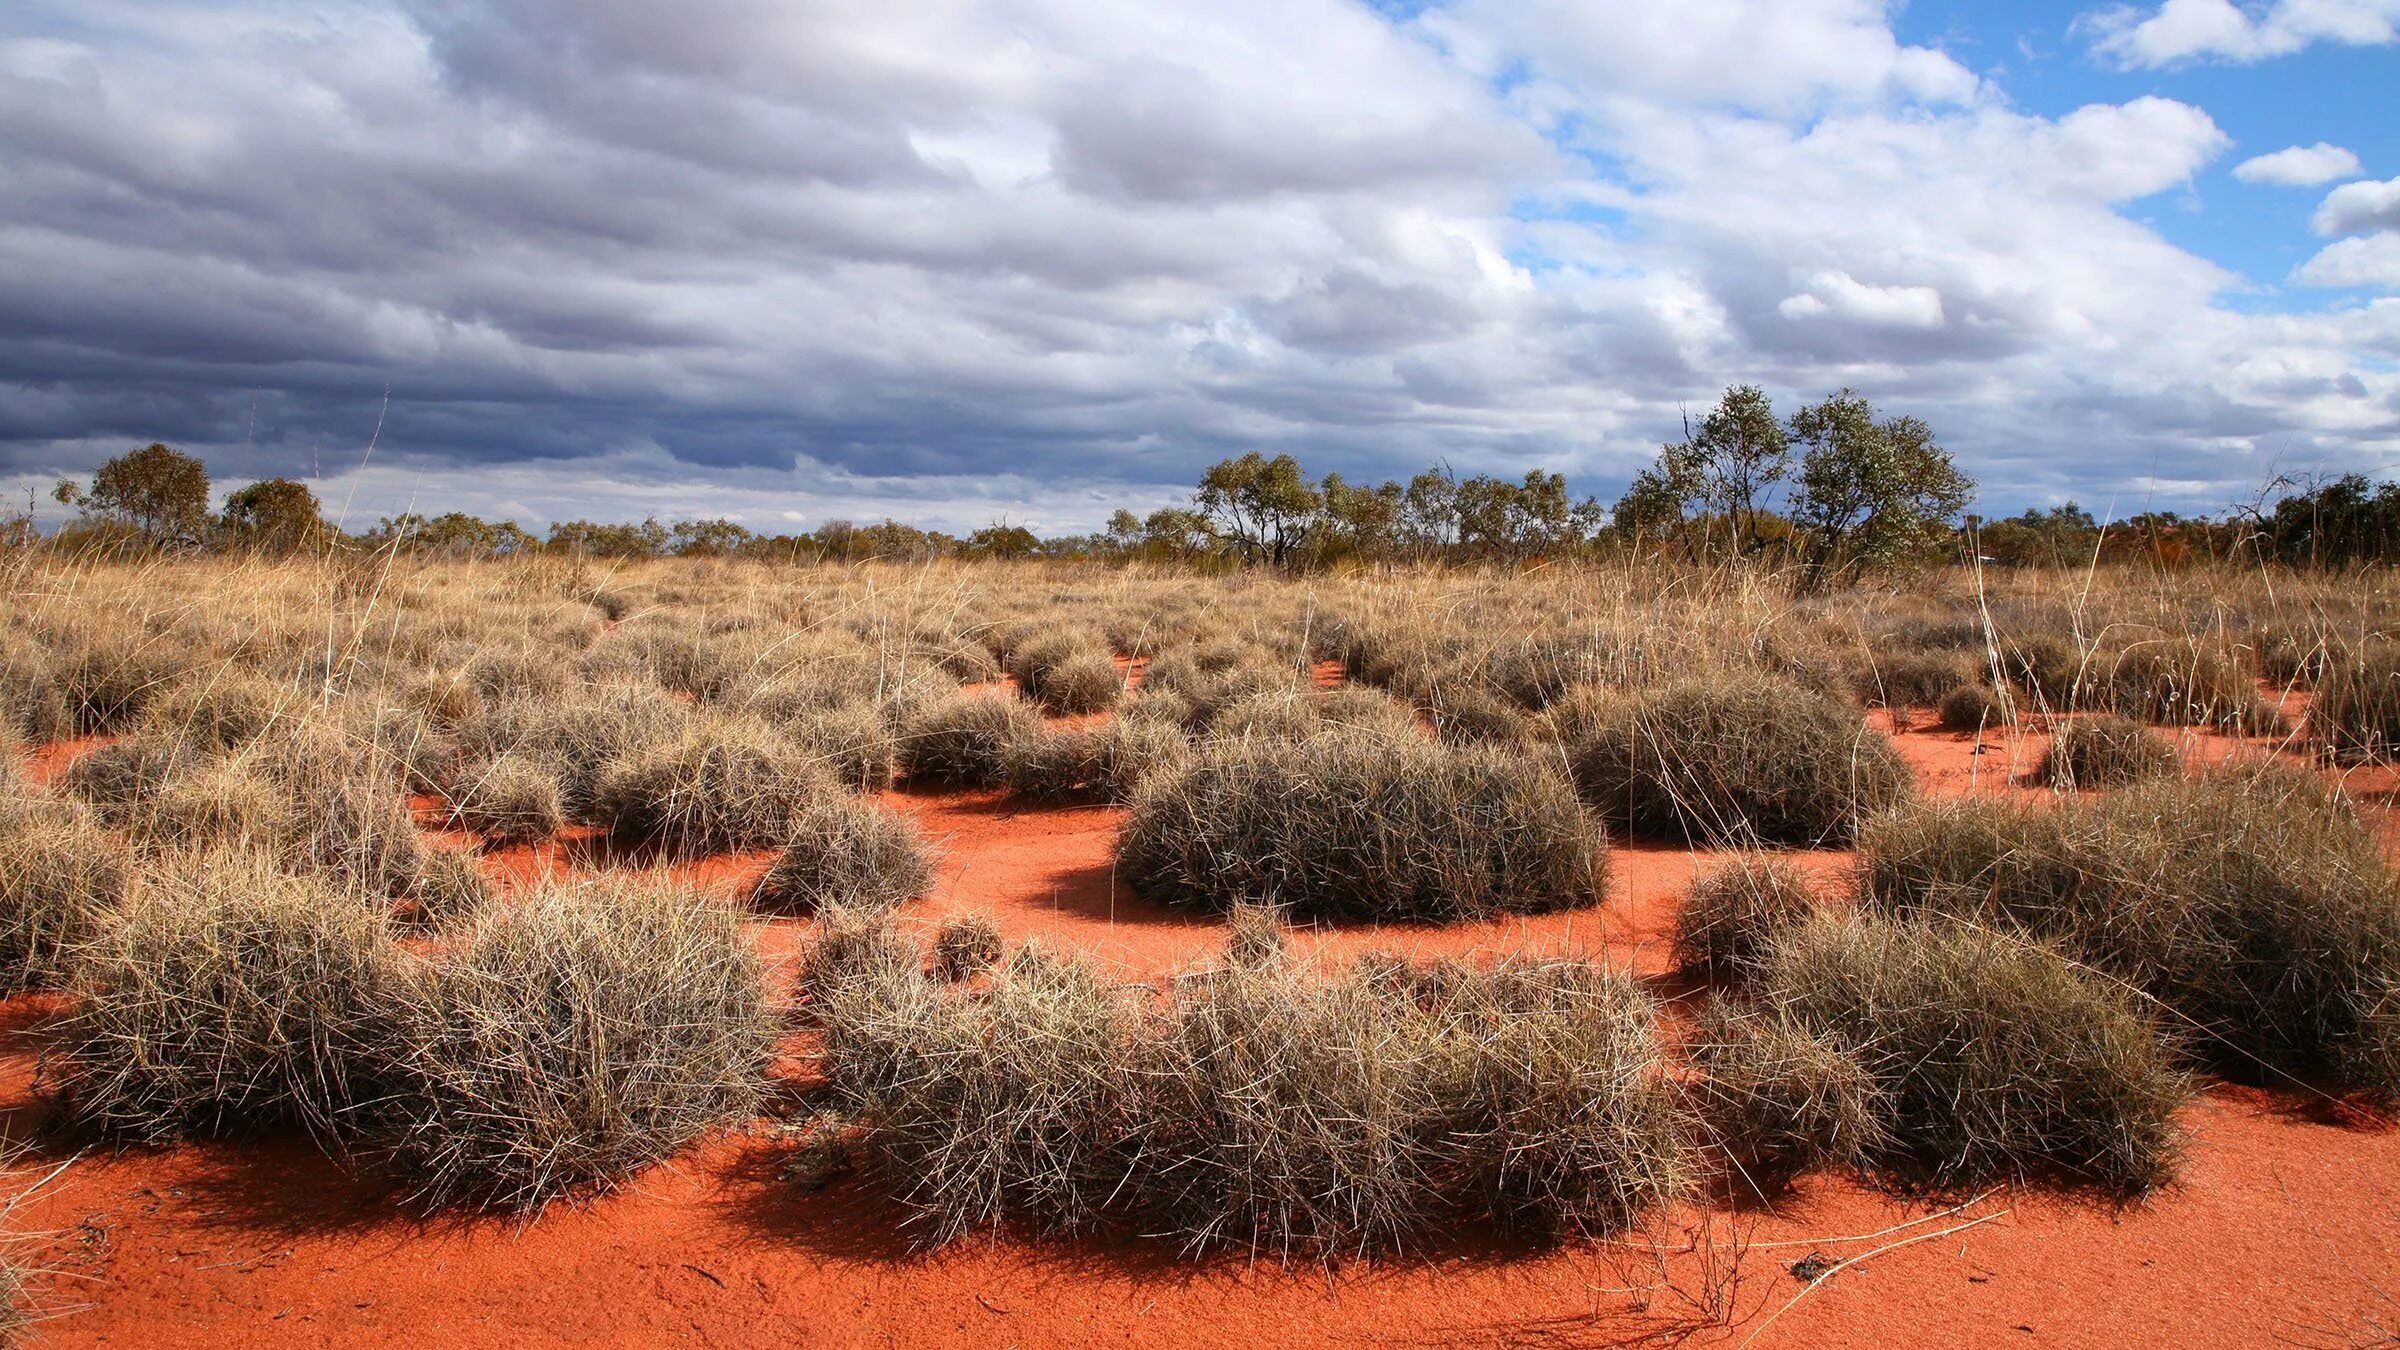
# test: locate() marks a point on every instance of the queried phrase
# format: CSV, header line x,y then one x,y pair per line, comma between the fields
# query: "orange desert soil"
x,y
2284,1227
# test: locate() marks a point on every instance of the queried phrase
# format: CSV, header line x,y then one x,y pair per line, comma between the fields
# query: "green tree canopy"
x,y
274,515
157,489
1871,493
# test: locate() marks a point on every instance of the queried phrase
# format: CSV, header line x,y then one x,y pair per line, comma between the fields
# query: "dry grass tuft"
x,y
1972,707
575,1038
962,741
1747,758
965,947
509,800
2103,750
2356,714
1106,763
723,786
1734,913
229,995
841,851
1341,826
1996,1058
61,877
1780,1100
2250,901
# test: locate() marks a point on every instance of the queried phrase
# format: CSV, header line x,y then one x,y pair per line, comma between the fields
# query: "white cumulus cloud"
x,y
2299,166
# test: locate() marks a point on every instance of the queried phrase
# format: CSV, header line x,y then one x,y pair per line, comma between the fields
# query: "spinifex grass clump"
x,y
1781,1100
61,877
1352,827
965,946
1263,1106
509,800
961,741
2249,901
576,1038
1735,911
1744,757
230,995
840,850
1103,763
1972,707
2104,750
2357,710
723,786
1992,1057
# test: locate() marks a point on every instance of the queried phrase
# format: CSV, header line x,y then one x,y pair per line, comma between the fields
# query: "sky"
x,y
1027,261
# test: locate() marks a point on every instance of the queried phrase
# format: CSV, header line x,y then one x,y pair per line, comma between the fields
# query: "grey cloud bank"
x,y
1035,259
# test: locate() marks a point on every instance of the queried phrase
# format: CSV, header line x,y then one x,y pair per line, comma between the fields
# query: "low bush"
x,y
1747,758
61,878
1342,826
723,786
841,851
1780,1100
962,741
2356,715
229,995
1733,914
1993,1057
2250,901
2102,750
575,1038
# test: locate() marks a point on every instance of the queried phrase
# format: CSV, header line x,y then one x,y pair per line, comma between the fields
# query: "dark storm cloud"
x,y
1035,257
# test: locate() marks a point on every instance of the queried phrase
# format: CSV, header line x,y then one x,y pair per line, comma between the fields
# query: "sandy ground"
x,y
2284,1229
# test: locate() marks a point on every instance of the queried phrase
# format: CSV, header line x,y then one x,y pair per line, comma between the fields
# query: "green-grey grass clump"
x,y
1742,757
841,850
574,1038
1993,1057
2103,750
1345,826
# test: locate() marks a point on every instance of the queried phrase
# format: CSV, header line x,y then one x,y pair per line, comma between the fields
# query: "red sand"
x,y
2284,1228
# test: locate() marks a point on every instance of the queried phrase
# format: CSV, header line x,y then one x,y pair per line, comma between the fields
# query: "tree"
x,y
1265,506
1870,493
159,490
707,538
1721,469
1429,512
1005,541
1360,520
274,515
1124,530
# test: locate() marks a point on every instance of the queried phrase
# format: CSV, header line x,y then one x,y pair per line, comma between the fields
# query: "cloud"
x,y
2373,260
2356,207
2181,31
2299,166
1036,258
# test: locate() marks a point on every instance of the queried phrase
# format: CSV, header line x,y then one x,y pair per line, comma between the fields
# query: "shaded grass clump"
x,y
2249,901
2356,715
1780,1100
575,1038
1993,1058
840,850
61,877
509,800
965,946
1261,1106
1734,913
722,787
1746,757
229,995
2103,750
1972,707
1106,763
1348,827
962,741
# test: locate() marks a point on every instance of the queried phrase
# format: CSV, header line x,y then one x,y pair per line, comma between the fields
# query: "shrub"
x,y
723,786
2356,714
966,946
2102,750
961,741
1781,1100
1734,913
509,800
1349,827
228,995
2249,901
575,1038
61,877
840,851
1748,758
1102,763
1995,1058
1973,707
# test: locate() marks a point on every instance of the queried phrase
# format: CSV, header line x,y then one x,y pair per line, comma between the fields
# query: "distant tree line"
x,y
1831,492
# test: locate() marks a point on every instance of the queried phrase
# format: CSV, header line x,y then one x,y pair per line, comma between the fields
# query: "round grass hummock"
x,y
1352,827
